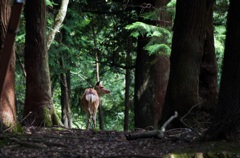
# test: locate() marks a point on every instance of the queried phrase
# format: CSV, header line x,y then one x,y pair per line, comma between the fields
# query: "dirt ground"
x,y
75,143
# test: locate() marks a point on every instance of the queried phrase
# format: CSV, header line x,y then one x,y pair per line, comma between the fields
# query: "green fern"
x,y
160,38
158,48
50,3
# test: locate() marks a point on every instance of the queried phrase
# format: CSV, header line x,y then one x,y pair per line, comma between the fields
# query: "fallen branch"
x,y
151,134
163,129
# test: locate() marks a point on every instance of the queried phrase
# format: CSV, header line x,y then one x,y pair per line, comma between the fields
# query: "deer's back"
x,y
90,98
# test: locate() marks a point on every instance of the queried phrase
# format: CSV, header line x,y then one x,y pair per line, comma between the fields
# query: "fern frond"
x,y
158,48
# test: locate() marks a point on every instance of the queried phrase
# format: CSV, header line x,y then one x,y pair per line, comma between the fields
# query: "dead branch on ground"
x,y
151,134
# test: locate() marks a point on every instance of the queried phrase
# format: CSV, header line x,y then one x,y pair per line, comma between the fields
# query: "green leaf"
x,y
158,48
50,3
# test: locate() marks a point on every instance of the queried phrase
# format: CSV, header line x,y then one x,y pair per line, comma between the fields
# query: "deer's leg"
x,y
94,119
88,120
88,115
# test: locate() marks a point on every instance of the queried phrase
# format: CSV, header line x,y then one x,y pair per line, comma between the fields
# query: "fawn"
x,y
90,101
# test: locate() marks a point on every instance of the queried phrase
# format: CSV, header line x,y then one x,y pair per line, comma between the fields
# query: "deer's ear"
x,y
98,83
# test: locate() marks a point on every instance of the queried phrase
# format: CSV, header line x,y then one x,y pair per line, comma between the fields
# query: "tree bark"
x,y
57,22
161,67
226,121
127,87
208,82
65,102
190,27
7,104
151,78
38,103
160,74
100,109
143,90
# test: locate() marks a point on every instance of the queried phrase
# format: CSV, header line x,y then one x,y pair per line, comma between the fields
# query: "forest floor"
x,y
65,143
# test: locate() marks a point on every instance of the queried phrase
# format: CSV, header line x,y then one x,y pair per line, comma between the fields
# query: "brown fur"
x,y
90,101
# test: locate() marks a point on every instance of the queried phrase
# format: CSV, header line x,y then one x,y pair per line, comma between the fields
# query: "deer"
x,y
90,102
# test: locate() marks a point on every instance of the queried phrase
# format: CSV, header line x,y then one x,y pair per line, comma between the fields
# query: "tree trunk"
x,y
161,67
7,103
143,95
187,50
160,74
226,121
38,103
65,102
151,78
208,82
57,22
100,109
127,87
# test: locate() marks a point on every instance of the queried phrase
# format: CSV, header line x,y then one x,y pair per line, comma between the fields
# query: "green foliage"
x,y
75,44
160,37
220,12
50,3
77,47
141,29
162,48
220,16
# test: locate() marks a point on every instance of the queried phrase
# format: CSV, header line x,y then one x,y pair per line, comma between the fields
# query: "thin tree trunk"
x,y
127,87
57,22
100,113
68,79
96,53
65,102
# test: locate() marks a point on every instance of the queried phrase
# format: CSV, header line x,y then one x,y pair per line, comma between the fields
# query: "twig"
x,y
189,113
85,80
200,134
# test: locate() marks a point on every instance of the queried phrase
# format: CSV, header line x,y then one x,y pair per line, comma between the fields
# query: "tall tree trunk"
x,y
100,109
161,67
151,78
57,22
160,73
226,121
65,84
208,82
187,50
143,87
38,103
127,87
7,103
65,94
